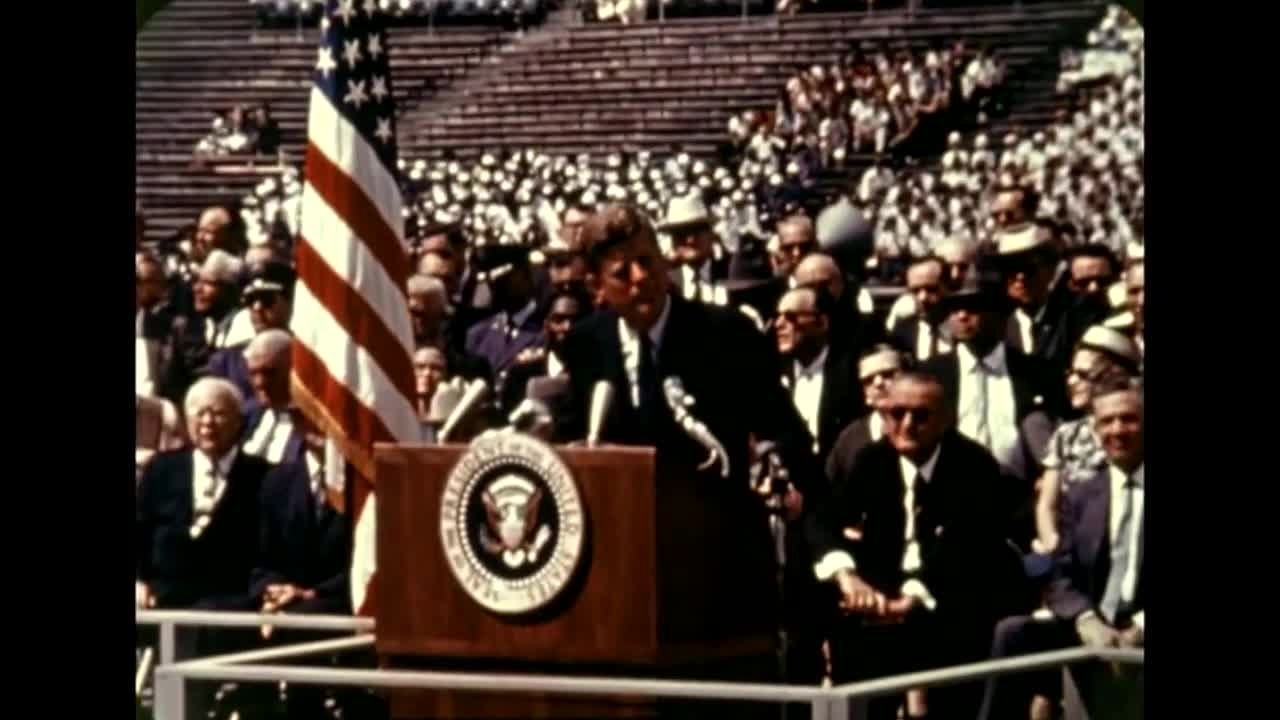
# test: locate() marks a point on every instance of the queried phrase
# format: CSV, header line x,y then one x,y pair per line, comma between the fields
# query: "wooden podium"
x,y
675,579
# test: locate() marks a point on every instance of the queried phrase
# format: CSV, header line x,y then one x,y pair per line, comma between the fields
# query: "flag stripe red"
x,y
348,199
359,423
353,312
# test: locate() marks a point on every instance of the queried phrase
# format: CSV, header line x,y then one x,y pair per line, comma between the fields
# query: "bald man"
x,y
850,333
272,427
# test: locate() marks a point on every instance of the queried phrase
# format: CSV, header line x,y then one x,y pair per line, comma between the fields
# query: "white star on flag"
x,y
355,93
375,46
384,130
324,61
346,11
351,52
379,89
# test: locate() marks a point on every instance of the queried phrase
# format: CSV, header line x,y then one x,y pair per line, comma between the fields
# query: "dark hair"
x,y
1113,382
613,226
1029,198
1096,250
576,293
928,258
919,375
823,301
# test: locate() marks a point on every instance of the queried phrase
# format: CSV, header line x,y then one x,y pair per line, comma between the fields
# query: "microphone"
x,y
680,401
475,394
601,400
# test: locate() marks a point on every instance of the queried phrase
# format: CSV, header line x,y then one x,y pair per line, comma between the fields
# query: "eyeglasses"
x,y
885,375
900,413
793,316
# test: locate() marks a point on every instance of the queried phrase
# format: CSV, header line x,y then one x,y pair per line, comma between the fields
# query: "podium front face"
x,y
668,569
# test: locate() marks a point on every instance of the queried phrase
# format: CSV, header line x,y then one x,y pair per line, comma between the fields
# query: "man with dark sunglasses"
x,y
1092,269
915,550
876,372
269,297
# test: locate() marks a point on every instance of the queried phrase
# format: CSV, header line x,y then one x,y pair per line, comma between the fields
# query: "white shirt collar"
x,y
204,462
813,368
909,468
520,317
1120,477
631,338
555,368
876,426
995,361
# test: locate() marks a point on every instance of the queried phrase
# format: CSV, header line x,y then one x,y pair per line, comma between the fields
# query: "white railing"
x,y
843,702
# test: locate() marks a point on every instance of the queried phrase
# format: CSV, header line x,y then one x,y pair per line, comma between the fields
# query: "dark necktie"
x,y
647,379
1120,549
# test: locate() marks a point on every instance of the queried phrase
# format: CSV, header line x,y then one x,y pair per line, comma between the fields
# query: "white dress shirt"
x,y
1118,480
1025,321
698,286
555,368
144,382
631,348
875,426
271,436
806,392
208,483
997,429
838,560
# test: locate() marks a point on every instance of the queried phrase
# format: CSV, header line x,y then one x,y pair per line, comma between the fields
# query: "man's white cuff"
x,y
916,589
832,563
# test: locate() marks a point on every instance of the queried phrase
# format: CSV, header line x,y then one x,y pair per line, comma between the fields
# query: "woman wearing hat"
x,y
1074,453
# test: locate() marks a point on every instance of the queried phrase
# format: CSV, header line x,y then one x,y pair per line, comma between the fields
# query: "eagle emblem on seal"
x,y
511,528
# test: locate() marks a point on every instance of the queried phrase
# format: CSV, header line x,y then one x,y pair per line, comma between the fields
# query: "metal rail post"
x,y
170,700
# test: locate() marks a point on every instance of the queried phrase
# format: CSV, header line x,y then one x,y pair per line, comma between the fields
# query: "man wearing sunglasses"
x,y
915,551
269,297
1048,317
991,386
876,372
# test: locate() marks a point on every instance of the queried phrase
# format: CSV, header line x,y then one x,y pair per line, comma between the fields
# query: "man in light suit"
x,y
1096,595
702,265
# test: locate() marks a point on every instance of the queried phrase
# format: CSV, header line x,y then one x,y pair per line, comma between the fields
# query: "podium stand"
x,y
675,579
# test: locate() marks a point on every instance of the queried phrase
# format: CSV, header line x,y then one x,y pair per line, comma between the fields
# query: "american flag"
x,y
351,356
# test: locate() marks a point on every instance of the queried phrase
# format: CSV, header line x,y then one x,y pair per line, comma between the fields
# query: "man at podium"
x,y
696,381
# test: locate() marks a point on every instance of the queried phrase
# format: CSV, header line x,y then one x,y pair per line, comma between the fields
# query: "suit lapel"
x,y
832,401
1093,528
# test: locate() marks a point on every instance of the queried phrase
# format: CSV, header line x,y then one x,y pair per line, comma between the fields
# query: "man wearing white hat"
x,y
701,263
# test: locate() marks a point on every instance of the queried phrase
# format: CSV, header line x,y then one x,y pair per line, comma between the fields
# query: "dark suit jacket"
x,y
1083,559
723,361
1031,378
488,341
904,334
965,562
229,363
299,544
293,448
719,272
841,400
182,571
1060,325
514,386
853,438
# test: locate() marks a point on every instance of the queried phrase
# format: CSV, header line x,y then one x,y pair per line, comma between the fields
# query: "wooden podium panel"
x,y
607,614
676,573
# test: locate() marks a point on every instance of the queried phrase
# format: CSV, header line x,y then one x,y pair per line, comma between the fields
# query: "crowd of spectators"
x,y
1015,355
517,13
244,129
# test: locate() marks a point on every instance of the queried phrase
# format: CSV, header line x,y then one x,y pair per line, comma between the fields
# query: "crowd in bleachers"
x,y
1023,262
244,129
517,13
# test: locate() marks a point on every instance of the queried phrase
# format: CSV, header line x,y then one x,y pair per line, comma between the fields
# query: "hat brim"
x,y
689,225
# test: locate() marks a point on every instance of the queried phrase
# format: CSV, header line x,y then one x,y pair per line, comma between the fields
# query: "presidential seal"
x,y
511,523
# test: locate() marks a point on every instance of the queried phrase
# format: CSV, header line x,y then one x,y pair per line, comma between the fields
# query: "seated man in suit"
x,y
876,372
565,309
272,426
517,326
922,586
1096,594
701,262
922,336
991,387
816,375
269,297
197,524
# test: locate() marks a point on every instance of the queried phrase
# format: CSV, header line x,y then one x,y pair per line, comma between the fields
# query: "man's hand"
x,y
279,595
1131,637
1044,546
903,606
1094,632
142,596
856,596
529,355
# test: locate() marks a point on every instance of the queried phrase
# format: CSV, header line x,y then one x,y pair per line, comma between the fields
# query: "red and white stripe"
x,y
351,360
